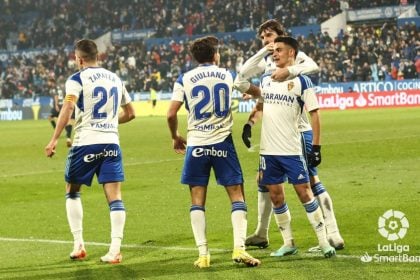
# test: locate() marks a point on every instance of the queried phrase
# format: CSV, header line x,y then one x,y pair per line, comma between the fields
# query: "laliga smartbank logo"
x,y
392,225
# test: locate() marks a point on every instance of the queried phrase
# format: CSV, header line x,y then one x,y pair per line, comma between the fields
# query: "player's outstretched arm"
x,y
303,65
127,114
63,119
254,66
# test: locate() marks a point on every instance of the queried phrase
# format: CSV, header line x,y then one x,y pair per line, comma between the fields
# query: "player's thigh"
x,y
197,167
271,171
225,162
111,168
81,165
295,169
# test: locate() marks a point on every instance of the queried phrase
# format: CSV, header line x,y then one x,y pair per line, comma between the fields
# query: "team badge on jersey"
x,y
290,86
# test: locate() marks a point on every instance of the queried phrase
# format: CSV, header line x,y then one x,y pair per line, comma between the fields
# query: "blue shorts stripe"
x,y
282,209
238,206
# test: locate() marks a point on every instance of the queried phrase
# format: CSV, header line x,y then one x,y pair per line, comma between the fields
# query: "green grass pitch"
x,y
371,163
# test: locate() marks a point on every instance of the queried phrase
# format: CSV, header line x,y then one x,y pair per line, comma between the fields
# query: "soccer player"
x,y
281,154
58,97
263,62
96,94
206,91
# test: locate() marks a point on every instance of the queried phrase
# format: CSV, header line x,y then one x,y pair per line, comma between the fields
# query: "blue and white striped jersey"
x,y
100,93
207,93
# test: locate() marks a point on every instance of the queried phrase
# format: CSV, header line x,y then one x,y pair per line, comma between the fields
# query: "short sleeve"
x,y
178,90
73,85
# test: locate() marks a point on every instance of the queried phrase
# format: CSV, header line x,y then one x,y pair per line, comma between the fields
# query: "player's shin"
x,y
239,224
198,224
314,213
326,205
283,220
117,216
74,211
264,212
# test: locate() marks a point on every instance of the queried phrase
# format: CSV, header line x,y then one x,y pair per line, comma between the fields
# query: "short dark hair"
x,y
203,49
288,41
272,24
87,49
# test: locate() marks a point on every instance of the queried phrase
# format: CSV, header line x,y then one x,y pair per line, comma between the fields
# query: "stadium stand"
x,y
363,53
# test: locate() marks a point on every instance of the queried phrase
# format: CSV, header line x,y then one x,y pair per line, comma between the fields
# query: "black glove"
x,y
314,157
246,135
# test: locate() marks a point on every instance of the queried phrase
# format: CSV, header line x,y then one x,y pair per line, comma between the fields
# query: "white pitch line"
x,y
141,246
59,170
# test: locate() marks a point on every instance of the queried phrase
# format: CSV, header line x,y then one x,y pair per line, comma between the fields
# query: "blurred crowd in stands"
x,y
364,53
30,24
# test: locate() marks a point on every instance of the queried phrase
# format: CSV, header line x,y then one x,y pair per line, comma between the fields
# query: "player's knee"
x,y
304,192
277,198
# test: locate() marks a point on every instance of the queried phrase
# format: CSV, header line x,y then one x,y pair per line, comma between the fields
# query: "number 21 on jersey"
x,y
101,92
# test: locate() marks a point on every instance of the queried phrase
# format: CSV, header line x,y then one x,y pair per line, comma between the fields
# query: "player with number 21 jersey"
x,y
103,92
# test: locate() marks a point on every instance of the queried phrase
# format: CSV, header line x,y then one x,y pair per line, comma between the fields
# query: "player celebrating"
x,y
96,93
206,91
281,153
263,62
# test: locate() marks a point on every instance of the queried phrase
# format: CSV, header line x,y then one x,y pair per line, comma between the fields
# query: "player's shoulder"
x,y
305,81
75,77
301,54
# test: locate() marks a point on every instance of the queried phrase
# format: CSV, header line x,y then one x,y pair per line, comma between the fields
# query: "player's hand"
x,y
280,74
270,47
246,96
314,157
50,148
179,144
246,135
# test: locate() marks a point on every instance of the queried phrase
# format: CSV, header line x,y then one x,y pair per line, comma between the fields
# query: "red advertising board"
x,y
355,100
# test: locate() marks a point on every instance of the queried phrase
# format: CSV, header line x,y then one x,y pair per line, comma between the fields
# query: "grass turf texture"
x,y
371,163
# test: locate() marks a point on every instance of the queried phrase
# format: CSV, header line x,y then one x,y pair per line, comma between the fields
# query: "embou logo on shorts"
x,y
105,153
199,152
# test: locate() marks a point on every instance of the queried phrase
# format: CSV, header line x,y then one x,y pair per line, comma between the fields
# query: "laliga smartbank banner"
x,y
355,100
